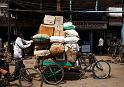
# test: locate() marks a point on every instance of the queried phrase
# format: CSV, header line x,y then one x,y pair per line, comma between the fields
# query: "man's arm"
x,y
19,42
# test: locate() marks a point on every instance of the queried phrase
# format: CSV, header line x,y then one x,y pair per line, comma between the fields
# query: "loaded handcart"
x,y
56,50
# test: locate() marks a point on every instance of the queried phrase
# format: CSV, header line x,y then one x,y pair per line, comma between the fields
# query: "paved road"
x,y
116,79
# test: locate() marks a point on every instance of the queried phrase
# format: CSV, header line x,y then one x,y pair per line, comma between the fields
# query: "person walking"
x,y
100,45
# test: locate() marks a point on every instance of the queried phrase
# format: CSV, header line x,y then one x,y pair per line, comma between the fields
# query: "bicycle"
x,y
24,76
101,69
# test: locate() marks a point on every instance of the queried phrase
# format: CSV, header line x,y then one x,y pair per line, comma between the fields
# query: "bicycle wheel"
x,y
53,74
101,69
25,78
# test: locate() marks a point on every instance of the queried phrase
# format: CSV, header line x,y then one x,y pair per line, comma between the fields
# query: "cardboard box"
x,y
59,27
59,33
46,29
48,19
59,20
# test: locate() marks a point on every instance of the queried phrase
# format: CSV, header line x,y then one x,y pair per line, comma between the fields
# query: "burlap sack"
x,y
71,55
57,48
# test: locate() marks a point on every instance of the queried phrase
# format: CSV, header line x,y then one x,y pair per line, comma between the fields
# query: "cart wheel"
x,y
53,74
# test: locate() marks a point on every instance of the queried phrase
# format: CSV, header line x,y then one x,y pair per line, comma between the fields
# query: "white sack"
x,y
69,33
71,39
57,39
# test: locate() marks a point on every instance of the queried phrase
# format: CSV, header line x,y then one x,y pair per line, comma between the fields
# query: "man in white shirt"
x,y
20,45
100,45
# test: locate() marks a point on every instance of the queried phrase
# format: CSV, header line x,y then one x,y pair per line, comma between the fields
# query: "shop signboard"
x,y
86,48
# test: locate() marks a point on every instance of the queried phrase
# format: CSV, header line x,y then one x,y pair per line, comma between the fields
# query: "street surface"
x,y
116,79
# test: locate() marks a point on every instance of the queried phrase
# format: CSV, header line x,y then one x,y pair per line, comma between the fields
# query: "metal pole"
x,y
9,27
70,10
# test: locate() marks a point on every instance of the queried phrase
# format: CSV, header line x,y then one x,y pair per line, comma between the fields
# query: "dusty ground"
x,y
116,79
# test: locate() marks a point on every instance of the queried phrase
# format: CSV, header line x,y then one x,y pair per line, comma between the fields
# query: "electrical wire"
x,y
24,4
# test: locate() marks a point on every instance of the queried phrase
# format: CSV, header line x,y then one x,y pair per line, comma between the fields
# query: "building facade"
x,y
90,16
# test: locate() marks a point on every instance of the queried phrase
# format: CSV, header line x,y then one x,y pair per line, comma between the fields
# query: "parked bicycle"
x,y
25,75
101,69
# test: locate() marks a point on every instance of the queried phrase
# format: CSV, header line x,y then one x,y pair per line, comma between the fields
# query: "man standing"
x,y
100,45
20,45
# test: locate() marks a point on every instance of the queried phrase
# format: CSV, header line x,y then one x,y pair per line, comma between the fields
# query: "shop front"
x,y
89,33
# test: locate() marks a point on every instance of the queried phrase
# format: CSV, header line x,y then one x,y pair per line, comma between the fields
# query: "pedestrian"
x,y
100,45
19,46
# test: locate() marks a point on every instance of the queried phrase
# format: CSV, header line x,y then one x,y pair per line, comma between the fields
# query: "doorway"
x,y
95,39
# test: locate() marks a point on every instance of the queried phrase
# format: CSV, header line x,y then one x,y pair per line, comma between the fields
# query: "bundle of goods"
x,y
57,39
75,47
41,52
71,40
42,46
71,33
60,41
71,55
41,38
68,26
57,48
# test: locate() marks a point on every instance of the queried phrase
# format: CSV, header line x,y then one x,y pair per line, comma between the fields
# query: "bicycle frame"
x,y
81,57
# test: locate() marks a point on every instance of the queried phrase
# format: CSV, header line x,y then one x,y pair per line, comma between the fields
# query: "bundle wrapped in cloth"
x,y
57,48
57,39
75,47
71,39
71,55
68,26
41,52
41,38
71,33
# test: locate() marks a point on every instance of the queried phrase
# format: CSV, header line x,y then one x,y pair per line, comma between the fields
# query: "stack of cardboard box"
x,y
52,26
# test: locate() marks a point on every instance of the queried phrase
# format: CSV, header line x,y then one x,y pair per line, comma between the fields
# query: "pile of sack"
x,y
60,38
71,41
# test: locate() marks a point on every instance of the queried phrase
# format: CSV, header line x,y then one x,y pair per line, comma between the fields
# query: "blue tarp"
x,y
122,35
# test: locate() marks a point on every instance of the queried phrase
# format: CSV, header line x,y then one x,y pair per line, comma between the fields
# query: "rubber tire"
x,y
96,65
